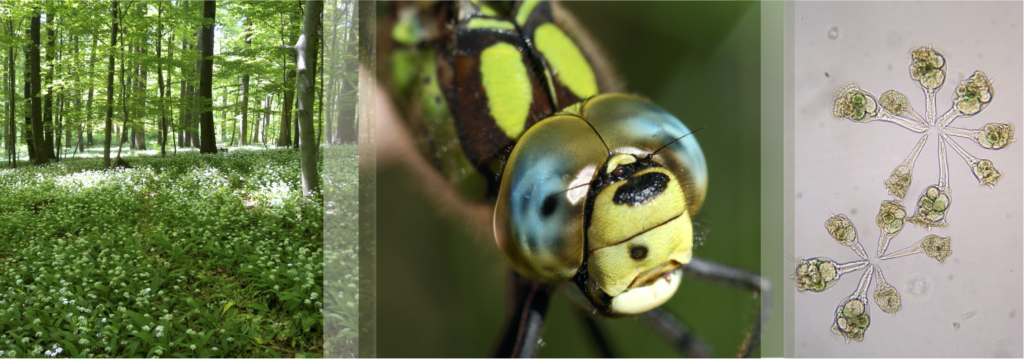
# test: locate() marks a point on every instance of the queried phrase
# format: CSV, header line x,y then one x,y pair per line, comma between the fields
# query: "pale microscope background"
x,y
840,167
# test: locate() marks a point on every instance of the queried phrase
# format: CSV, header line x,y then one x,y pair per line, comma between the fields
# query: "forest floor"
x,y
187,255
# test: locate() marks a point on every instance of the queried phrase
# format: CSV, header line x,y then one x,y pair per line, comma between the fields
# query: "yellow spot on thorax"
x,y
508,87
566,60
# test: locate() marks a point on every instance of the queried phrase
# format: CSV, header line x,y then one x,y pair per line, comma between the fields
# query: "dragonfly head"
x,y
601,196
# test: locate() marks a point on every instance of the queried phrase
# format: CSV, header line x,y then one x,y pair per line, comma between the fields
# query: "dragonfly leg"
x,y
526,306
677,333
601,344
735,277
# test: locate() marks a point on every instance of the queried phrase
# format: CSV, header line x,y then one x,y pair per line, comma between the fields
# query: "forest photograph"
x,y
163,190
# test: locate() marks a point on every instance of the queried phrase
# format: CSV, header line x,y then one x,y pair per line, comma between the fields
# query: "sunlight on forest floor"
x,y
188,255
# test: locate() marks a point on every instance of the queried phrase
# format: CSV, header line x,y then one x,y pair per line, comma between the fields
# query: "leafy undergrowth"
x,y
185,256
341,247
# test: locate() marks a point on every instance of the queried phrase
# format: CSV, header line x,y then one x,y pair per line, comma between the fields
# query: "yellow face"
x,y
639,232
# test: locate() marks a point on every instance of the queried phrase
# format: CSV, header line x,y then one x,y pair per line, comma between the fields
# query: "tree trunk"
x,y
224,116
37,104
245,89
162,138
266,117
139,129
209,138
234,124
238,110
48,99
29,132
295,121
320,108
13,132
110,87
58,114
184,109
284,138
347,128
307,49
92,88
7,110
256,126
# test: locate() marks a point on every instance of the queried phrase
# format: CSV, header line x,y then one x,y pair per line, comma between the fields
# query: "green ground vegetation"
x,y
189,255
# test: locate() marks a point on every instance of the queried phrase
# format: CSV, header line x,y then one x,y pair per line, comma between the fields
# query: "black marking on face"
x,y
641,189
638,252
607,178
549,205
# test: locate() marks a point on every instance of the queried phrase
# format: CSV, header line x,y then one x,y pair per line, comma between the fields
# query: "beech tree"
x,y
209,139
37,104
110,85
306,50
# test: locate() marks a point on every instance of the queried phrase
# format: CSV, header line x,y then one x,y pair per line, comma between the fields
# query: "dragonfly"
x,y
413,40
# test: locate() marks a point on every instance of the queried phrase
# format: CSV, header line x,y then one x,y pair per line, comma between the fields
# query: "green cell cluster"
x,y
997,136
890,217
888,298
931,208
841,229
895,102
899,182
973,93
937,247
816,274
853,104
928,67
852,319
986,172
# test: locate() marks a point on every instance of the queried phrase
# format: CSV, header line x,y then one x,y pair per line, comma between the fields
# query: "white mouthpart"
x,y
641,299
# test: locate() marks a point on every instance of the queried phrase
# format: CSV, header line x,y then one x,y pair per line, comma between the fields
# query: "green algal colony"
x,y
928,70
